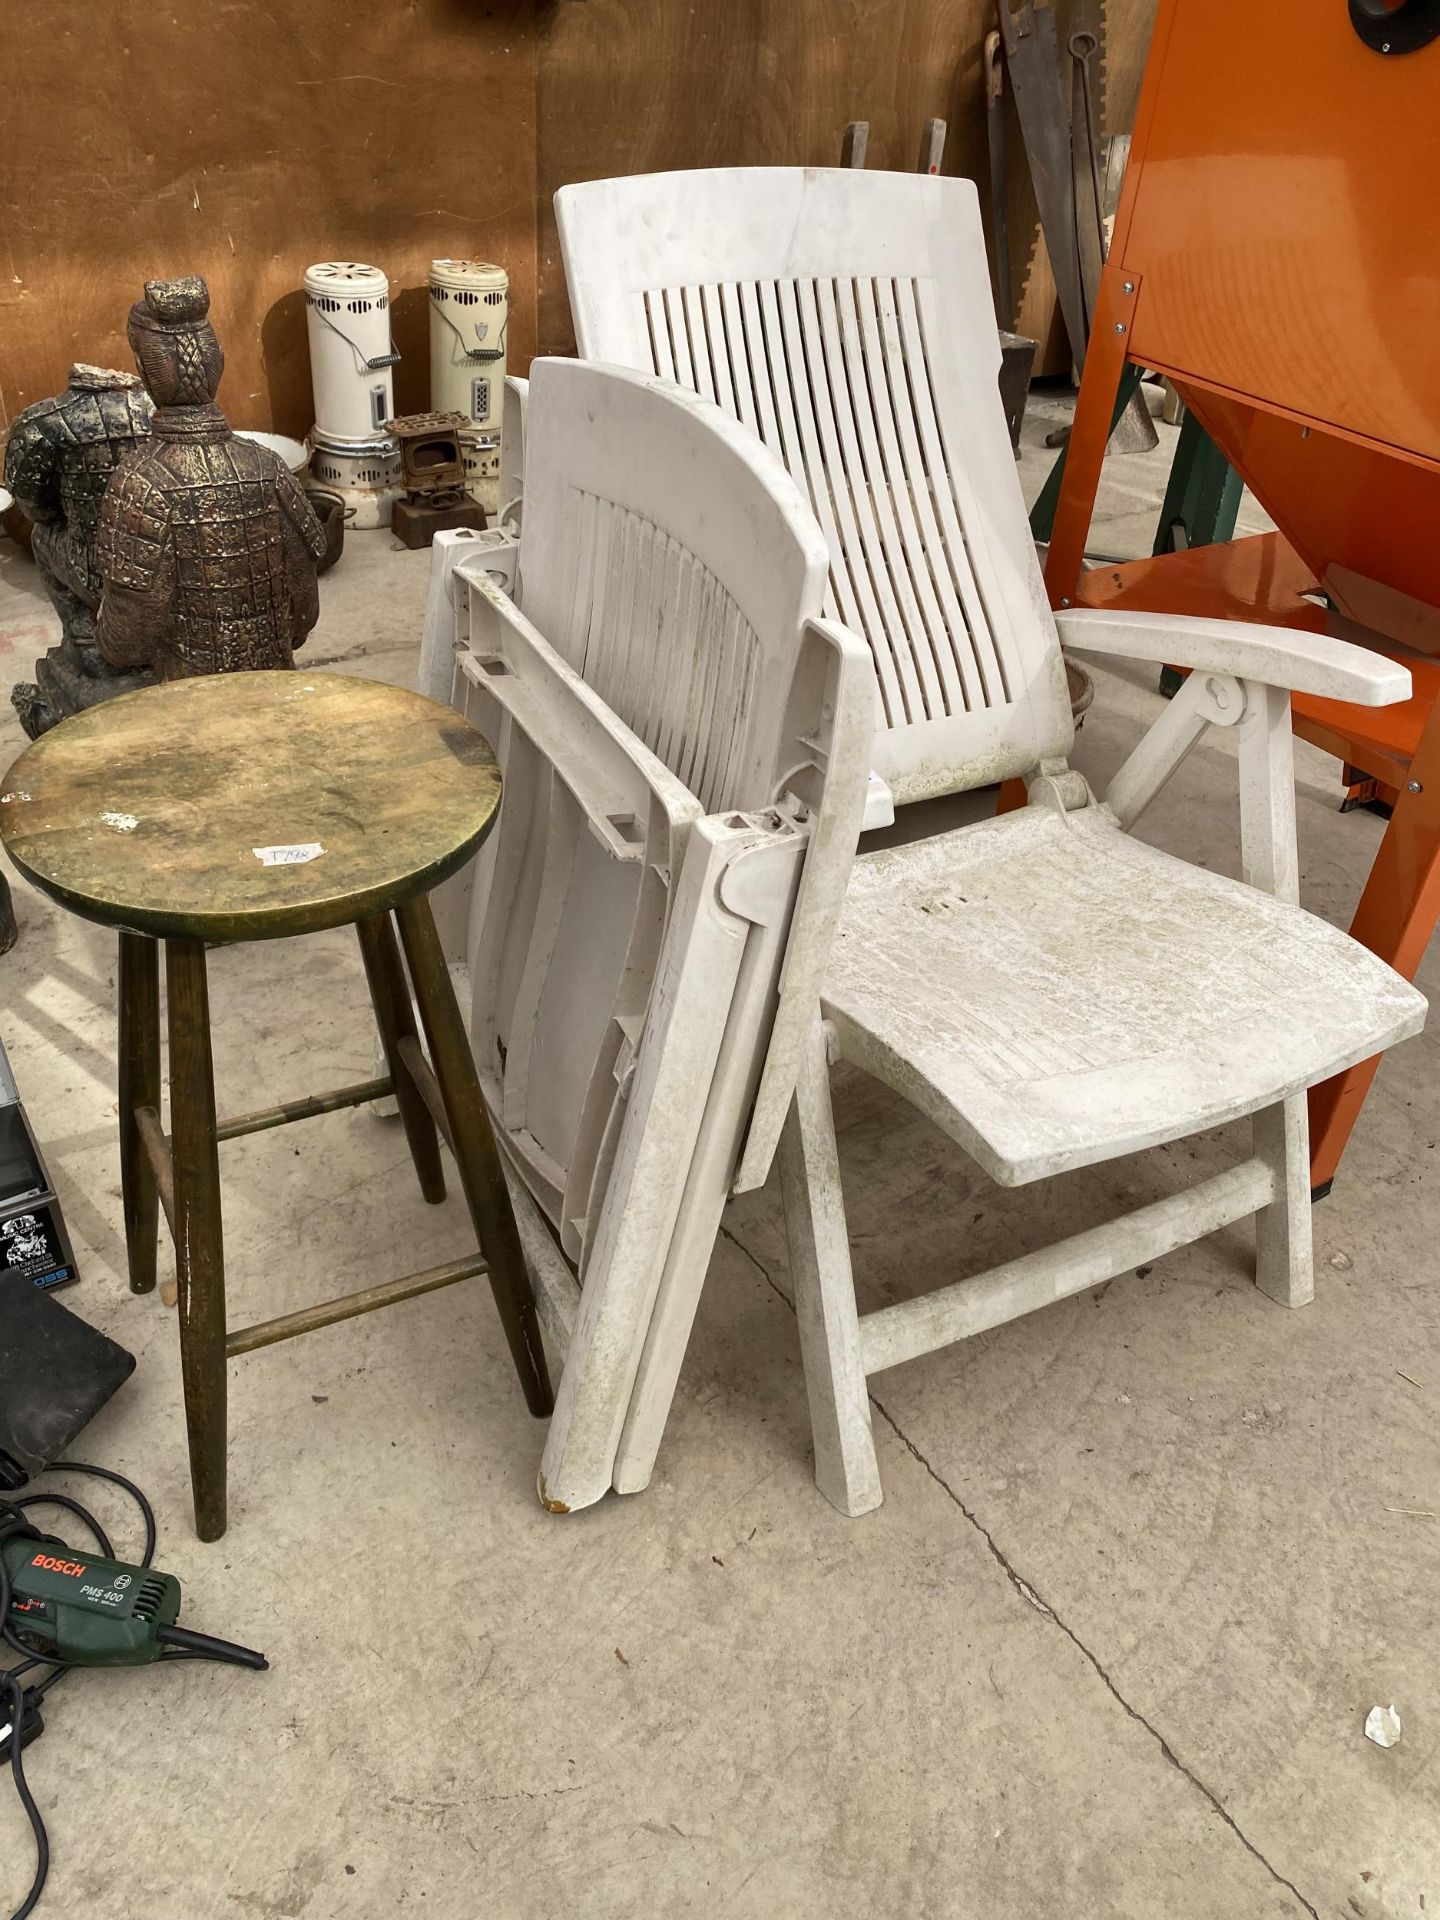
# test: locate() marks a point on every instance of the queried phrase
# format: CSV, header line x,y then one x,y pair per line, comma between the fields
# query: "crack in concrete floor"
x,y
1042,1606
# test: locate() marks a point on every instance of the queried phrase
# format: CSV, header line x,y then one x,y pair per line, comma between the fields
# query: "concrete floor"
x,y
1145,1562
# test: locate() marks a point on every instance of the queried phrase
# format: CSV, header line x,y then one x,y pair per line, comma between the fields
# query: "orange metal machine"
x,y
1277,254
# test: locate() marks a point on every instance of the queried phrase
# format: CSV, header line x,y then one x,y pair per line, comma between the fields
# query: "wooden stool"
x,y
246,807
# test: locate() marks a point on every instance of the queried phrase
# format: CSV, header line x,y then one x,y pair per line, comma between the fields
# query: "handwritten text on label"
x,y
288,856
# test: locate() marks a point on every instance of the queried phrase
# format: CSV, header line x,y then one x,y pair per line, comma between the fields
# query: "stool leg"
x,y
395,1018
476,1156
199,1245
139,1087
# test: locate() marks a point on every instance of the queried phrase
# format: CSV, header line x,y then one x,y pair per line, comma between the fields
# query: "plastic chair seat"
x,y
1053,993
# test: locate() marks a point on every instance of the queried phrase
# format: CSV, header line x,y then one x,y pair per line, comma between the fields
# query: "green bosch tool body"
x,y
63,1609
84,1611
81,1610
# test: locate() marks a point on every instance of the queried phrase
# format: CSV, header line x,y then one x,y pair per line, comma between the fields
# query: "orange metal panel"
x,y
1281,231
1120,294
1285,216
1396,918
1340,502
1281,228
1265,580
1260,578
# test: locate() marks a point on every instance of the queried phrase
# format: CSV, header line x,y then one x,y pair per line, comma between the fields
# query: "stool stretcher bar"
x,y
156,1143
326,1313
315,1103
285,1326
426,1085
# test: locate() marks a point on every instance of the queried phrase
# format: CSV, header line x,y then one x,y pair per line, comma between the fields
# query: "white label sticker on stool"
x,y
121,822
288,856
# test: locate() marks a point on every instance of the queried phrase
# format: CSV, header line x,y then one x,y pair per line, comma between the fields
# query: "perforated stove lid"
x,y
479,274
346,280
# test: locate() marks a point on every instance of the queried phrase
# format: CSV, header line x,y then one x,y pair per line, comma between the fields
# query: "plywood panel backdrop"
x,y
243,139
634,86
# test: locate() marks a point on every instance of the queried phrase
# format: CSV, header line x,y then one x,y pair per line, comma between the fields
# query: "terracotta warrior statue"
x,y
58,459
207,545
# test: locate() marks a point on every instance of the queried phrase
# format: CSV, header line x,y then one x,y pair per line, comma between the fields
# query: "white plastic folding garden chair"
x,y
495,552
1049,990
650,885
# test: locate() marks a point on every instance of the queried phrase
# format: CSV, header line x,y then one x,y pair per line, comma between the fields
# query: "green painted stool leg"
x,y
139,976
477,1159
396,1020
199,1244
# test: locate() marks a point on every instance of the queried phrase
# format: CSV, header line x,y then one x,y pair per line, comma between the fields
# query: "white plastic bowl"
x,y
292,452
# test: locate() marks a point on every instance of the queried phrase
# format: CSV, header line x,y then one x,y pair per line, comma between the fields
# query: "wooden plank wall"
x,y
633,86
243,140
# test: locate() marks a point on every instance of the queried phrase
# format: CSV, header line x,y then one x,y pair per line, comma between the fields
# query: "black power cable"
x,y
204,1646
181,1645
147,1512
70,1506
16,1692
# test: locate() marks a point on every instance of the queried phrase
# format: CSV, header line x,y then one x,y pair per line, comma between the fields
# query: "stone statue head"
x,y
174,344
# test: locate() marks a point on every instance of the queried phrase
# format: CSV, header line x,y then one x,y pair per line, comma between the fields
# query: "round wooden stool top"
x,y
245,806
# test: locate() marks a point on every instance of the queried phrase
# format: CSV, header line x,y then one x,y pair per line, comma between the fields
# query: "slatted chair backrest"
x,y
682,569
846,317
655,558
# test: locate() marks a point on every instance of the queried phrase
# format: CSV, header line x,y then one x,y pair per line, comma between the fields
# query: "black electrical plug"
x,y
32,1723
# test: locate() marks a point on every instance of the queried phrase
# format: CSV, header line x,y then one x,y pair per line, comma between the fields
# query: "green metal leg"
x,y
1202,499
1042,514
1202,502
